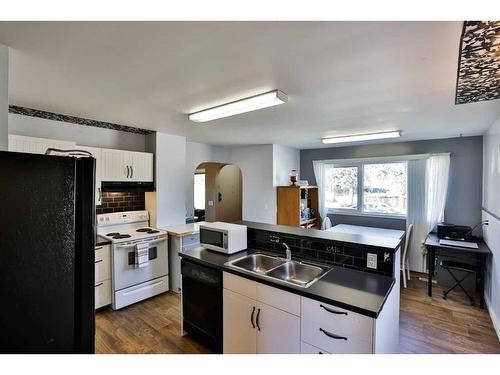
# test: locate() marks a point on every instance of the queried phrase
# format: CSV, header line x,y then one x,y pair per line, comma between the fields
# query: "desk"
x,y
433,245
367,231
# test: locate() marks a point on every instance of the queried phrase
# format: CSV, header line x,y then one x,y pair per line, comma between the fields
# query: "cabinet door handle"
x,y
333,311
333,336
98,248
258,315
98,261
128,172
251,317
131,172
98,285
98,194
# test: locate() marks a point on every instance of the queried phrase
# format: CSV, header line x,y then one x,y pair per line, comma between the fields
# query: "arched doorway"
x,y
217,192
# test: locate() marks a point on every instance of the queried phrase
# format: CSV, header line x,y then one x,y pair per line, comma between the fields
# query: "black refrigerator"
x,y
47,245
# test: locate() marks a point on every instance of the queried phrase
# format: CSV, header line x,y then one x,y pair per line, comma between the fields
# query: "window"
x,y
342,192
199,191
367,188
384,188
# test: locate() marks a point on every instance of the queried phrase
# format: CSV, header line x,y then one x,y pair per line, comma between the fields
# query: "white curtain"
x,y
319,174
416,214
436,188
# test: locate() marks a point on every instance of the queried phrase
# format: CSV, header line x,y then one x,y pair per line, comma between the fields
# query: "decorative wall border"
x,y
478,73
75,120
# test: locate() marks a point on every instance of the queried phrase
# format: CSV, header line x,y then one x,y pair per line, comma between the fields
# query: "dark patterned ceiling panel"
x,y
478,76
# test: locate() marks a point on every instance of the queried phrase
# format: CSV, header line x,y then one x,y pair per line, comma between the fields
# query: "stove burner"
x,y
120,236
143,230
153,231
113,234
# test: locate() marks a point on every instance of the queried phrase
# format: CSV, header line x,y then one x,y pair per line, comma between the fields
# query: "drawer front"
x,y
140,292
102,269
192,239
102,251
278,298
306,348
314,334
240,285
342,322
103,294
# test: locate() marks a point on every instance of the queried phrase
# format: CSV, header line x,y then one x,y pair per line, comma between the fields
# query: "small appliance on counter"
x,y
223,237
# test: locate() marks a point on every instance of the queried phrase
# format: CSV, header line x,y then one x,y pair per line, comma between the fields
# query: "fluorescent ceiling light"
x,y
252,103
362,137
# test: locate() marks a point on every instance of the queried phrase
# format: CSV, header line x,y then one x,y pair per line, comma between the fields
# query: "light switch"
x,y
210,203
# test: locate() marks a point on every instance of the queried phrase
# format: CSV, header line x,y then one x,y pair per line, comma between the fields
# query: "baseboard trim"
x,y
494,318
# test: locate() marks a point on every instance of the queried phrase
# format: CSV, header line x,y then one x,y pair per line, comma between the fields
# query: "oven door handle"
x,y
117,246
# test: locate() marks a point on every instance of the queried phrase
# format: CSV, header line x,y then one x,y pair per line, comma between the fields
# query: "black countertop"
x,y
386,243
361,292
101,241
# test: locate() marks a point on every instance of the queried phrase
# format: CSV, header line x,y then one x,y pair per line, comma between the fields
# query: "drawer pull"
x,y
98,261
333,311
333,336
98,248
99,284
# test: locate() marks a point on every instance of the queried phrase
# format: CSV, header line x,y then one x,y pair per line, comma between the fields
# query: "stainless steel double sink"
x,y
292,272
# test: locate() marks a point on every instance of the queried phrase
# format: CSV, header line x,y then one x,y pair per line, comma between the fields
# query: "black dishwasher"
x,y
202,303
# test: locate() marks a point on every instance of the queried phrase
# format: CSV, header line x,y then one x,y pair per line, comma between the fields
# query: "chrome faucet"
x,y
288,252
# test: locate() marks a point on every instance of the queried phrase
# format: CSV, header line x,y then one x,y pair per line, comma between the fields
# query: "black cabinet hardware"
x,y
251,318
333,311
131,172
128,172
99,284
333,336
98,261
258,315
98,248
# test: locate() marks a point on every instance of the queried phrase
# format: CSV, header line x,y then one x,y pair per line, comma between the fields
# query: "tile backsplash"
x,y
117,202
322,251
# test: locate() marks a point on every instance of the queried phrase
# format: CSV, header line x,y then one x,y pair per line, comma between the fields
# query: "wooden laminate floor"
x,y
434,325
427,325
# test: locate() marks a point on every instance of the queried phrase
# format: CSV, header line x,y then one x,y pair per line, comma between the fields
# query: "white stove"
x,y
139,256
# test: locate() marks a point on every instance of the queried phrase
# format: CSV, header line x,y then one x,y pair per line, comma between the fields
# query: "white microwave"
x,y
224,237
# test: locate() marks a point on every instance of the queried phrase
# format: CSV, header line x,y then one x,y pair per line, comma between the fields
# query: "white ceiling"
x,y
341,77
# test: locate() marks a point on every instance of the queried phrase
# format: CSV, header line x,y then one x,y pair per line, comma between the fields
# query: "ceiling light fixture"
x,y
252,103
361,137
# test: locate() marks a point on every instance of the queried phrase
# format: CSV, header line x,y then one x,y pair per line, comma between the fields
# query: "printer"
x,y
454,232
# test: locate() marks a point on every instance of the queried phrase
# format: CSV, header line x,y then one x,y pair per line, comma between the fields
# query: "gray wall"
x,y
465,186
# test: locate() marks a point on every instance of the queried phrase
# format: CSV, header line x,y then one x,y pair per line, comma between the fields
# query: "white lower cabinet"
x,y
278,332
102,276
335,330
262,319
251,326
240,335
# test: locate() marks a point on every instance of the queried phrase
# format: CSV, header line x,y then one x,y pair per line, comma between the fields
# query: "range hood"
x,y
120,186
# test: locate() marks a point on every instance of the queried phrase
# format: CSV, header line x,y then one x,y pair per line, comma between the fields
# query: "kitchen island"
x,y
350,309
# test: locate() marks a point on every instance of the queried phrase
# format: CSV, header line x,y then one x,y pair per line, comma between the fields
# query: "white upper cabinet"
x,y
115,165
96,153
142,166
32,145
119,165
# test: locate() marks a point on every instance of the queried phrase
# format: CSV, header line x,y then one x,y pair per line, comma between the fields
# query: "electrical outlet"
x,y
210,203
371,261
